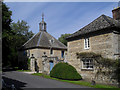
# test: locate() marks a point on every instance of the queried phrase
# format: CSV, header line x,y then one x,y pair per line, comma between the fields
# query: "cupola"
x,y
42,24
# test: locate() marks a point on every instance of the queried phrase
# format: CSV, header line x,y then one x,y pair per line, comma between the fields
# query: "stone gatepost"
x,y
44,64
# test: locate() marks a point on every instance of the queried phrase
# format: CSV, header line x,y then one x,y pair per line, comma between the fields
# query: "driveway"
x,y
24,80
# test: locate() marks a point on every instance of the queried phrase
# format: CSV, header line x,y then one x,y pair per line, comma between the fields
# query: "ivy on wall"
x,y
105,67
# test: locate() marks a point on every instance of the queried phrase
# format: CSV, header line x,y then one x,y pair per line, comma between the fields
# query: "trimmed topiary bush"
x,y
65,71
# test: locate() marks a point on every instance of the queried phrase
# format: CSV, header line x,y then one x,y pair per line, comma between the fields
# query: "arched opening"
x,y
36,67
51,65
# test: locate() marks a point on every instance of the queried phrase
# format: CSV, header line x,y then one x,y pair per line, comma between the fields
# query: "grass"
x,y
15,67
24,70
83,83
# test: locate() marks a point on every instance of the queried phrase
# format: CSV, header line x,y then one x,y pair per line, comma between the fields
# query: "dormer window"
x,y
52,41
86,43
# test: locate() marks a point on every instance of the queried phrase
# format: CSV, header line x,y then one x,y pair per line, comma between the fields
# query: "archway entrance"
x,y
36,67
51,65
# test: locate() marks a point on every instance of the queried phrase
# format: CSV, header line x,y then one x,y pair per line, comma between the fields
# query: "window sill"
x,y
86,48
87,69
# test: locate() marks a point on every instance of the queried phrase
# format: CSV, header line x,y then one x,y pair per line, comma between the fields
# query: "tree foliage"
x,y
6,34
22,33
62,38
14,35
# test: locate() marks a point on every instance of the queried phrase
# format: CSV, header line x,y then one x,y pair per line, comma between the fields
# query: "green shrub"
x,y
65,71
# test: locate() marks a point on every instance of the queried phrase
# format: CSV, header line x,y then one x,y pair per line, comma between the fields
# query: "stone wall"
x,y
38,53
104,44
118,43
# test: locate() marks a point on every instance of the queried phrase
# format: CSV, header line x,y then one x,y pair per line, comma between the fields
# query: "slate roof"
x,y
43,39
100,23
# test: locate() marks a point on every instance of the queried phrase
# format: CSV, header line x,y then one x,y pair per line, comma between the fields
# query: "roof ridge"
x,y
48,38
39,39
86,25
30,39
99,23
93,21
108,21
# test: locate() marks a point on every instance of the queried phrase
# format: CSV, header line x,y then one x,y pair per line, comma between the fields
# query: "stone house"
x,y
101,36
43,50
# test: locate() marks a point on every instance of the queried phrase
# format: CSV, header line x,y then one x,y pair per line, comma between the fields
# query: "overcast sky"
x,y
61,17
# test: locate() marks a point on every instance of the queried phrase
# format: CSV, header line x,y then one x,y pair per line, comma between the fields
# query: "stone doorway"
x,y
51,64
36,67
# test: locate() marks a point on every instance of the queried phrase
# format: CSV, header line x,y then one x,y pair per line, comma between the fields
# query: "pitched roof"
x,y
45,40
100,23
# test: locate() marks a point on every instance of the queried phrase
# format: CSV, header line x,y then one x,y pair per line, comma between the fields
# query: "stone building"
x,y
43,50
101,36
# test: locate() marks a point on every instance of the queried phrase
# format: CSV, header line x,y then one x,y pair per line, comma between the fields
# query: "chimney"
x,y
116,12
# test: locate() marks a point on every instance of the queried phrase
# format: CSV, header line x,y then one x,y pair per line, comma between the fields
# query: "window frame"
x,y
90,64
86,43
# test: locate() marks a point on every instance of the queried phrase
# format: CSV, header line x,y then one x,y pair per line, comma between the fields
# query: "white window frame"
x,y
86,43
84,64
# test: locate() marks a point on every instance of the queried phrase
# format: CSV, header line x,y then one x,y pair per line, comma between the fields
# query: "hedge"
x,y
65,71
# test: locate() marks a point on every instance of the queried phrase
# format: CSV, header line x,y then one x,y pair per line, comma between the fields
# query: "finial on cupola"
x,y
42,16
42,24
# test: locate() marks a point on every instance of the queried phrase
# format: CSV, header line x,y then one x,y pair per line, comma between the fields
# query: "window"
x,y
86,43
51,41
51,51
62,54
87,64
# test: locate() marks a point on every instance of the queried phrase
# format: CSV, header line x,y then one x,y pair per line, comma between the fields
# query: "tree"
x,y
6,34
21,35
62,38
13,36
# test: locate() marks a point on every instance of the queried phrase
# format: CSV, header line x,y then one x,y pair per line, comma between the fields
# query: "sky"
x,y
61,17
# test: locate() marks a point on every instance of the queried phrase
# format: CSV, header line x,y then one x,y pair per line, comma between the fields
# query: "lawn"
x,y
83,83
